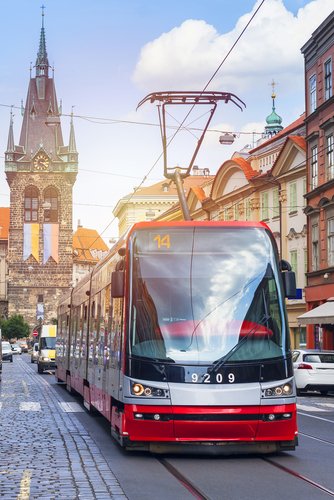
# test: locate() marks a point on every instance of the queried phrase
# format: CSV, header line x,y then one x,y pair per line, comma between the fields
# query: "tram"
x,y
179,337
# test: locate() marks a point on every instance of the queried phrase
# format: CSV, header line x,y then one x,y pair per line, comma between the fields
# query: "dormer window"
x,y
165,187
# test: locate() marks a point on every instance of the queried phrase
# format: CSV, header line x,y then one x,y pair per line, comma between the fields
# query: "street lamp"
x,y
227,138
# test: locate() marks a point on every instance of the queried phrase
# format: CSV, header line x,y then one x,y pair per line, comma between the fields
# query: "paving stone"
x,y
58,460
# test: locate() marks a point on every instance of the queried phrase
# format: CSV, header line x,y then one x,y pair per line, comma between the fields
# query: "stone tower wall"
x,y
31,280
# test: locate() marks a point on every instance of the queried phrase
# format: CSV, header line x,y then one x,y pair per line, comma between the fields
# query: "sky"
x,y
109,54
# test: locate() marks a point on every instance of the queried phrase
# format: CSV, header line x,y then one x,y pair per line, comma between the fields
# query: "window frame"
x,y
31,198
50,195
294,261
330,241
293,197
328,79
314,166
315,245
276,208
330,156
264,205
313,92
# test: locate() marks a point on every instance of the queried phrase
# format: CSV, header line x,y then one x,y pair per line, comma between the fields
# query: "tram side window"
x,y
91,332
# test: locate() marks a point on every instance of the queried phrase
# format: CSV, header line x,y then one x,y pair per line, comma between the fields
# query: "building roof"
x,y
167,187
286,131
300,141
88,246
4,223
162,190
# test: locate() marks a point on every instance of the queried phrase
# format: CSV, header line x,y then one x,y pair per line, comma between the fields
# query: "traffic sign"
x,y
35,333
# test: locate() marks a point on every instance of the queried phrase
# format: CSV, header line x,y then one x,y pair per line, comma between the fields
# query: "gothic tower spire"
x,y
72,148
41,172
42,63
10,142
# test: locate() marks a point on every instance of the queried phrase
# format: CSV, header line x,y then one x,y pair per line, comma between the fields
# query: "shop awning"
x,y
320,315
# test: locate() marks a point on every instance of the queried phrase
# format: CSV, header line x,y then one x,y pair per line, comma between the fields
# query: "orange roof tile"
x,y
4,222
300,141
199,192
88,245
246,167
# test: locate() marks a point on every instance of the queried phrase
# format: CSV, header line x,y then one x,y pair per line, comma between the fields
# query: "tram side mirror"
x,y
117,284
289,280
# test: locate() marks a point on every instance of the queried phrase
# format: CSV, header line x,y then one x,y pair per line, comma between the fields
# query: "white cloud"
x,y
188,55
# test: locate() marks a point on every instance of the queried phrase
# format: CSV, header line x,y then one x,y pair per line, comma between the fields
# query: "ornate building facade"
x,y
41,172
319,101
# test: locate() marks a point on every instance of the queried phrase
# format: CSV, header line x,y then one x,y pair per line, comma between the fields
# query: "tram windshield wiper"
x,y
153,360
219,363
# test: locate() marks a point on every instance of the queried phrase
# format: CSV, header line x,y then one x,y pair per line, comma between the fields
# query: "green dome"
x,y
273,118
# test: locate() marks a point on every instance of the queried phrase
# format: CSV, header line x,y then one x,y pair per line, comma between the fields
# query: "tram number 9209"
x,y
210,378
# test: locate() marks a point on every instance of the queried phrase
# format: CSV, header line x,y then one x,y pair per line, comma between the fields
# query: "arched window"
x,y
50,205
31,204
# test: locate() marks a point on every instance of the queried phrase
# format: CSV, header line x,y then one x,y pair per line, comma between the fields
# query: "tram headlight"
x,y
278,391
146,391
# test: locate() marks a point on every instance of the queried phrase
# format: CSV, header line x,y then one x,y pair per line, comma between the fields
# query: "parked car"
x,y
24,346
7,353
34,353
314,370
16,348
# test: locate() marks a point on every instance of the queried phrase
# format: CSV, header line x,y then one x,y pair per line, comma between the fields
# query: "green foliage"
x,y
14,327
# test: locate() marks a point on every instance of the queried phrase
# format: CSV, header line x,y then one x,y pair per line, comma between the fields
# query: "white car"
x,y
314,370
34,353
16,348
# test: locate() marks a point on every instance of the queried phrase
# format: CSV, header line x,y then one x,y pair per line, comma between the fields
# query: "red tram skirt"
x,y
180,423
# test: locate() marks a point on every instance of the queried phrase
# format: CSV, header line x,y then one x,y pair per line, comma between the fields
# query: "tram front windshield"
x,y
197,293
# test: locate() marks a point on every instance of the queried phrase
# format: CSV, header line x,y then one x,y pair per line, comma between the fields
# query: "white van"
x,y
46,359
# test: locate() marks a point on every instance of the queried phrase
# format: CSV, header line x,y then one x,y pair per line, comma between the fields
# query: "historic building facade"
x,y
319,101
88,249
147,203
41,172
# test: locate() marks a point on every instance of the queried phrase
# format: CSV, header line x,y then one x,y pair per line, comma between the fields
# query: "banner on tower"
x,y
50,238
30,241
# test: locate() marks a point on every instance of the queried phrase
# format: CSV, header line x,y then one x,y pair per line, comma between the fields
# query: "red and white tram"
x,y
179,337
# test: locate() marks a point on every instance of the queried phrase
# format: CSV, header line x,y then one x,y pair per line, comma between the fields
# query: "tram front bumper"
x,y
221,426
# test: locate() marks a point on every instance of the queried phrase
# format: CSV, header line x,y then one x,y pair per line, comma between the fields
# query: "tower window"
x,y
50,205
31,204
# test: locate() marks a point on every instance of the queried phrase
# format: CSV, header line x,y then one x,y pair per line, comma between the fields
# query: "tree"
x,y
14,327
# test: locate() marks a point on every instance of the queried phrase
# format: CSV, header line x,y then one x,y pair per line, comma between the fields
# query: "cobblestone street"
x,y
45,451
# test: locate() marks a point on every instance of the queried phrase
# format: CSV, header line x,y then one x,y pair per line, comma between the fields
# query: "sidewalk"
x,y
45,453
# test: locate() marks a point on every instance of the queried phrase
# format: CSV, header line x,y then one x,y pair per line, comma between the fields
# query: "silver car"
x,y
7,353
34,353
314,370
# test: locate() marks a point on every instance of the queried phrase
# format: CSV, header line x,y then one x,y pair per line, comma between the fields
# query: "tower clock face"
x,y
41,162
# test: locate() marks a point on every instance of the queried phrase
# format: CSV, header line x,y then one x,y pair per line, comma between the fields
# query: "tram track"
x,y
196,492
296,474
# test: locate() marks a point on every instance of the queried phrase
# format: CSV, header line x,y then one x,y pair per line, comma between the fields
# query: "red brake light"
x,y
304,366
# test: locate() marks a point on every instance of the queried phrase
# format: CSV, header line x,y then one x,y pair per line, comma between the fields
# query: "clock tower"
x,y
41,172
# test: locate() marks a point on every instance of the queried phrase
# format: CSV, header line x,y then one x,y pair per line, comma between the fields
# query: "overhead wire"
x,y
183,121
178,128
